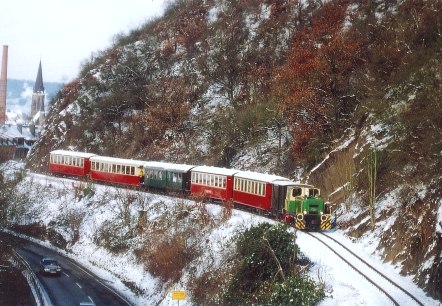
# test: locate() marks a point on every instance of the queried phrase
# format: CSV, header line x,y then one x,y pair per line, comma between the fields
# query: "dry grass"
x,y
174,239
168,258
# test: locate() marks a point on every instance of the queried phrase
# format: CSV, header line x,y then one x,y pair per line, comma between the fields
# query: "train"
x,y
297,204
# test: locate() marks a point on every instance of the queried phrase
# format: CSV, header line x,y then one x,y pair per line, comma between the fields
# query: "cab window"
x,y
297,192
313,192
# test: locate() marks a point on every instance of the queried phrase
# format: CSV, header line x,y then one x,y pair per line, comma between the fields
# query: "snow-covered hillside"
x,y
60,205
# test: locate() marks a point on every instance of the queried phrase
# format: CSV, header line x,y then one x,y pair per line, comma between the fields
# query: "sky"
x,y
65,33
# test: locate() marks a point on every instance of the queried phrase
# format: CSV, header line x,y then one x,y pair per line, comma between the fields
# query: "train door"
x,y
278,199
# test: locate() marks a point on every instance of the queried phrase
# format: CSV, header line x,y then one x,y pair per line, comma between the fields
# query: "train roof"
x,y
72,153
121,161
268,178
215,170
180,168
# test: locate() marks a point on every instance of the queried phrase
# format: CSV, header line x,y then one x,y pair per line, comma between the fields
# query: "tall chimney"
x,y
3,80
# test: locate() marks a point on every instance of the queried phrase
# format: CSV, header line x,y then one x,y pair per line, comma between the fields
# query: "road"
x,y
75,284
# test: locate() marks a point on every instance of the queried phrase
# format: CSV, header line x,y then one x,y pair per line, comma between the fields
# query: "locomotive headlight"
x,y
305,212
321,213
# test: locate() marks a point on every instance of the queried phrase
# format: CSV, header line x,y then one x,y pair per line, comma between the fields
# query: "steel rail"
x,y
374,269
356,269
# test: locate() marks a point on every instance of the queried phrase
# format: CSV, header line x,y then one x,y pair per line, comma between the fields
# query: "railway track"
x,y
393,291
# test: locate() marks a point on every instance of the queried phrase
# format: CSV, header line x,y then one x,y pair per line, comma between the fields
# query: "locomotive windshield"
x,y
313,192
296,192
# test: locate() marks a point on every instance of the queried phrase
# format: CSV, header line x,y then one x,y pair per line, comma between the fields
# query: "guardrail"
x,y
40,294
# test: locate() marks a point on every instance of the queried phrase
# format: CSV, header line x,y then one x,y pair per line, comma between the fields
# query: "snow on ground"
x,y
348,287
344,286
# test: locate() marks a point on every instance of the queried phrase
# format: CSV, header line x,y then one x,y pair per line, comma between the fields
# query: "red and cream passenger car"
x,y
70,162
262,191
117,170
212,182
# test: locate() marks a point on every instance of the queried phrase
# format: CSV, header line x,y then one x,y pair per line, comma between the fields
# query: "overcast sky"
x,y
63,33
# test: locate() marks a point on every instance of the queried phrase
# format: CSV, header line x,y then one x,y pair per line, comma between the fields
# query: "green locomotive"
x,y
306,209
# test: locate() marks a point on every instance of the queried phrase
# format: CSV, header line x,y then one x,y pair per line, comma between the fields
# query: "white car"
x,y
50,266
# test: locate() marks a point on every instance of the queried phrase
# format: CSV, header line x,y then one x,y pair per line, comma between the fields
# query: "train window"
x,y
313,192
297,192
74,161
132,170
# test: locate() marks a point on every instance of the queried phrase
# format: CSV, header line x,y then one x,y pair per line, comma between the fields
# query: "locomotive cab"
x,y
306,209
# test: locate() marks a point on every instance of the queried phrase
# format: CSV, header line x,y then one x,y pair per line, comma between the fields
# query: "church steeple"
x,y
38,99
38,87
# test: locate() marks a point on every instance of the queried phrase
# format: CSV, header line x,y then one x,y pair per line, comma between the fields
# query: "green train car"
x,y
167,176
306,209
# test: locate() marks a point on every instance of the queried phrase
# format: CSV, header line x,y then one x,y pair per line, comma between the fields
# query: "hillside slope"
x,y
342,94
